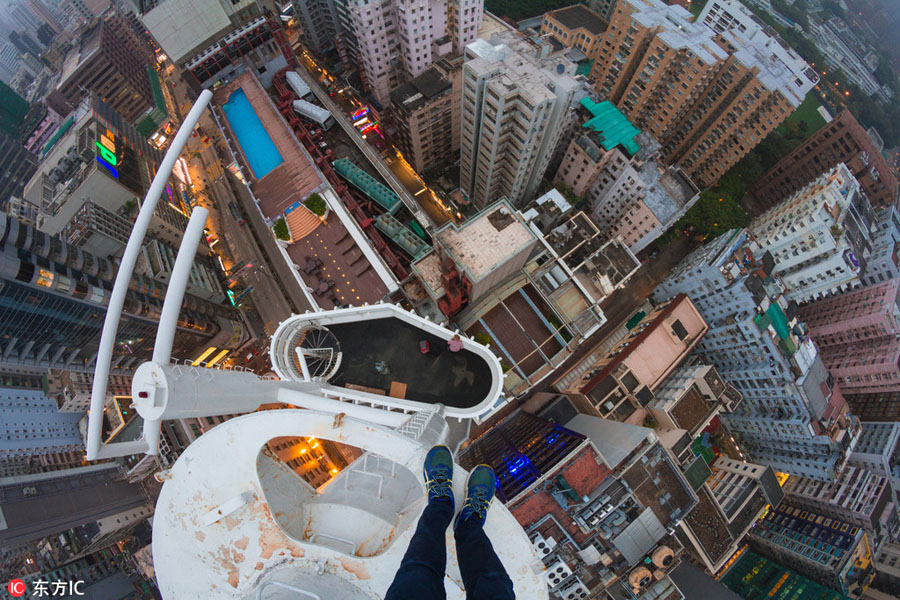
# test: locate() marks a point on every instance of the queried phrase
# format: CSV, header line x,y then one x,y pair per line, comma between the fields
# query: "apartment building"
x,y
213,39
793,416
515,108
575,26
878,450
858,496
109,61
615,167
882,262
858,334
598,499
820,238
17,165
841,140
733,495
624,380
829,551
708,98
394,42
319,23
426,112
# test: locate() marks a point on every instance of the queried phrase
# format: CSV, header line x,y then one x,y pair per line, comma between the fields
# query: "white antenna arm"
x,y
95,448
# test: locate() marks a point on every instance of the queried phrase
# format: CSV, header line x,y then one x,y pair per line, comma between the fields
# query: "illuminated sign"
x,y
106,152
361,112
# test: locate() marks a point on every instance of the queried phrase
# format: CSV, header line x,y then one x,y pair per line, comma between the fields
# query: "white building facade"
x,y
821,237
515,108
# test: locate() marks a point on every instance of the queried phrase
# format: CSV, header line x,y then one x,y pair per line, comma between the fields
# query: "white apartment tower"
x,y
515,108
821,237
396,40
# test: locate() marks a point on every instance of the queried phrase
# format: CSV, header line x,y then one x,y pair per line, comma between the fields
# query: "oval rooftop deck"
x,y
249,527
389,357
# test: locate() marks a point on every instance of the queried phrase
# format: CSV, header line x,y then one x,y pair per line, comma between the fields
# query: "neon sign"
x,y
106,153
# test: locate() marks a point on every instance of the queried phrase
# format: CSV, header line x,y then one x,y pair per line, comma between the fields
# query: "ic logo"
x,y
16,588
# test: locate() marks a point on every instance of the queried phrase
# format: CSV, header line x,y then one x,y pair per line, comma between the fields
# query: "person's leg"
x,y
483,575
421,572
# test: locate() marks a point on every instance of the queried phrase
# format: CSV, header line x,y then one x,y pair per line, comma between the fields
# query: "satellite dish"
x,y
560,68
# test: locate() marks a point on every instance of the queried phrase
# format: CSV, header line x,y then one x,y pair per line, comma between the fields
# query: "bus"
x,y
314,113
300,87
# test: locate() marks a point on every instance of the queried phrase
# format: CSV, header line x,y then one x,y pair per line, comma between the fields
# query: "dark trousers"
x,y
421,572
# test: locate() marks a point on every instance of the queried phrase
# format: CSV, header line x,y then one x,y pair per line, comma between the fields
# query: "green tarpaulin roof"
x,y
158,99
615,128
59,133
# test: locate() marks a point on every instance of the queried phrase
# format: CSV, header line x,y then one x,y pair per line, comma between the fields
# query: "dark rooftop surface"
x,y
577,16
697,585
410,96
656,478
691,410
458,379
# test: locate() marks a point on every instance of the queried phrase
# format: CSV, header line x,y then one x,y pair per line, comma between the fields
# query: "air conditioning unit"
x,y
557,573
542,546
573,590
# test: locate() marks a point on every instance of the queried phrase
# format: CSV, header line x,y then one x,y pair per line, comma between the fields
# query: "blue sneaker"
x,y
480,487
439,474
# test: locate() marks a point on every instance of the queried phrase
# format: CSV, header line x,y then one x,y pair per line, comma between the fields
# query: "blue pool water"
x,y
255,142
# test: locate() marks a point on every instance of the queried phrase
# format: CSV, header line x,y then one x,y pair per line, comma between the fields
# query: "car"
x,y
323,145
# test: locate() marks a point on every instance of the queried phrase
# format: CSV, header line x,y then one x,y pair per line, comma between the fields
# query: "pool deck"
x,y
297,176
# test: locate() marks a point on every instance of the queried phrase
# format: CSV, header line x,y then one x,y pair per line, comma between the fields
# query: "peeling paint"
x,y
338,420
243,543
258,566
231,522
356,568
200,535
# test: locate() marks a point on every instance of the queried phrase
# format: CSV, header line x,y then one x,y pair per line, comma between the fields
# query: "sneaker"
x,y
480,488
439,474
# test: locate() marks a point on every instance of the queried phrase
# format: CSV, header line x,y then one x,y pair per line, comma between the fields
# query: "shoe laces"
x,y
440,481
478,501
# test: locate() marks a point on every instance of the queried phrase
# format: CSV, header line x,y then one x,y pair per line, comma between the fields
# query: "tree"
x,y
316,204
281,230
714,213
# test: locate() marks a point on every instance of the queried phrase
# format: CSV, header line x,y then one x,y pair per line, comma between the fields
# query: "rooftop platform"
x,y
578,17
457,379
379,361
292,180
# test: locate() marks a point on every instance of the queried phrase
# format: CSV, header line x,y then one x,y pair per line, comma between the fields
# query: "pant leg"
x,y
422,570
482,572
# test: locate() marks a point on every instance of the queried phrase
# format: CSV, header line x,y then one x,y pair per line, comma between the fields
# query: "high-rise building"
x,y
858,496
17,165
755,576
515,108
394,42
426,112
841,140
575,26
55,517
708,98
733,495
319,23
604,8
212,39
625,378
829,551
71,390
858,336
820,238
632,196
588,492
878,450
33,430
107,63
45,15
793,416
882,262
55,297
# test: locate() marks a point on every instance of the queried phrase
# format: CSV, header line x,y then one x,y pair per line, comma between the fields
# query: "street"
x,y
389,162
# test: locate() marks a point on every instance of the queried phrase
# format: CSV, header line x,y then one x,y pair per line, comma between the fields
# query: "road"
x,y
425,205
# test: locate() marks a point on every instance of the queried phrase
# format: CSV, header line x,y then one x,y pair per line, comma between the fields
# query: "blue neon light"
x,y
109,167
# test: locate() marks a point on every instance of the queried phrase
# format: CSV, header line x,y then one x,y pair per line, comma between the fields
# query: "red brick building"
x,y
841,140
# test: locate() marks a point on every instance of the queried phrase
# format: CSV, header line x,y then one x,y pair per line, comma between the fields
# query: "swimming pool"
x,y
258,147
